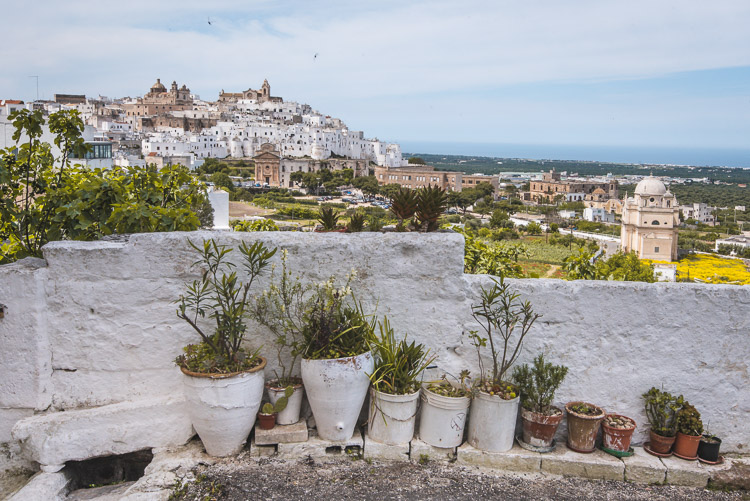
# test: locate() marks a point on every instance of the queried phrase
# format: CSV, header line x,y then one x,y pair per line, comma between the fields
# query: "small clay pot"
x,y
583,429
660,444
266,421
539,429
686,446
617,439
709,451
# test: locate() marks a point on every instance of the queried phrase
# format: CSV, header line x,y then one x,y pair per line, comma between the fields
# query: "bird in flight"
x,y
209,21
315,57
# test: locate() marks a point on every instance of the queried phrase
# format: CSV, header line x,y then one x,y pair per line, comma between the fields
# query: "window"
x,y
656,249
655,223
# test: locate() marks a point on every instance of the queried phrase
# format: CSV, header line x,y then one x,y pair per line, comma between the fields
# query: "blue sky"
x,y
594,72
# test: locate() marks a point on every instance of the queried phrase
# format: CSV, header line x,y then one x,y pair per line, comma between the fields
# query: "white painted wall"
x,y
97,325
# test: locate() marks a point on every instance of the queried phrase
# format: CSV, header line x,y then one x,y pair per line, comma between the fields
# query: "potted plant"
x,y
617,431
280,308
328,218
505,320
583,425
689,432
395,387
708,448
661,408
537,385
270,410
445,406
223,380
336,358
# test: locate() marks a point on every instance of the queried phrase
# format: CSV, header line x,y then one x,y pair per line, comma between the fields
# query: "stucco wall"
x,y
97,325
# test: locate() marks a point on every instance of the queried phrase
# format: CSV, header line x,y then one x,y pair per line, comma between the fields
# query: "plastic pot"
x,y
660,444
539,429
686,446
709,451
617,439
443,419
492,426
290,414
222,407
336,389
582,429
391,418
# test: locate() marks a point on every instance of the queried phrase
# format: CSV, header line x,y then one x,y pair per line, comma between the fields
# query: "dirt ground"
x,y
241,209
348,479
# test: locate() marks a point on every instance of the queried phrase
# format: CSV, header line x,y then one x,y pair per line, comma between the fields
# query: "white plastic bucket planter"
x,y
290,414
443,419
223,408
391,417
336,389
492,425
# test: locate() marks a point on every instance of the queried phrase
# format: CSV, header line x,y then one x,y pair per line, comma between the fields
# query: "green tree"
x,y
222,180
533,228
416,161
580,266
389,190
498,218
368,184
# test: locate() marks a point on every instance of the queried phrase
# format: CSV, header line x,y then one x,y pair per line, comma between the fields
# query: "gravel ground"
x,y
347,479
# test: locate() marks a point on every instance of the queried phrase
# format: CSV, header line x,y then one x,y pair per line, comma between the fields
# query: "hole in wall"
x,y
334,449
109,470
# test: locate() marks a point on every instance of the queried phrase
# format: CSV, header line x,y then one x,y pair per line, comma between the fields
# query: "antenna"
x,y
37,85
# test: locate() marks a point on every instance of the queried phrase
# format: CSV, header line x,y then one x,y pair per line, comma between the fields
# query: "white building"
x,y
700,212
598,215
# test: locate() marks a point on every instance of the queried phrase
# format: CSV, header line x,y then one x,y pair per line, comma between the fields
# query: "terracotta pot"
x,y
617,439
266,421
686,445
583,429
660,444
709,451
538,429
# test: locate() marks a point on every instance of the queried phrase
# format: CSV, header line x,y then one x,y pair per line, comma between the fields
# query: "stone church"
x,y
649,222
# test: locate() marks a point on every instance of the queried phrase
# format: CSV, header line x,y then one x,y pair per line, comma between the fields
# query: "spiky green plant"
x,y
431,202
661,409
328,217
689,420
356,222
398,364
403,206
538,384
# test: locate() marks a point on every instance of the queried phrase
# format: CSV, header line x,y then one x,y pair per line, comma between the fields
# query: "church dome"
x,y
650,186
158,86
599,191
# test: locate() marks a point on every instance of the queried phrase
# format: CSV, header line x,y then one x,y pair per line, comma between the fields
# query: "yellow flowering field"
x,y
712,269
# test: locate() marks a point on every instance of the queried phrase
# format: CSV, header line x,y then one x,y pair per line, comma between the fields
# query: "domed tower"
x,y
158,87
649,221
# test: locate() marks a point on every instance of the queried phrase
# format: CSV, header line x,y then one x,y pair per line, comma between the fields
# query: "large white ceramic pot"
x,y
443,419
336,389
391,417
290,414
222,407
492,425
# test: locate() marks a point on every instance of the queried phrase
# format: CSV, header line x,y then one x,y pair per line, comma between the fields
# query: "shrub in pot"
x,y
336,358
689,431
395,386
505,321
583,425
223,381
538,384
708,448
617,432
661,409
280,308
445,406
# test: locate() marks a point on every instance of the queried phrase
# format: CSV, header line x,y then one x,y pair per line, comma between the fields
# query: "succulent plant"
x,y
281,403
431,202
689,420
661,408
328,217
403,206
356,222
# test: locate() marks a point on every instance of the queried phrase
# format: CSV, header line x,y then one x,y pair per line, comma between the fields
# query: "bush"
x,y
257,225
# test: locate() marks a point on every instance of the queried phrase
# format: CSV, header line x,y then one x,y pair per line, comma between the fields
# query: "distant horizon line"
x,y
729,157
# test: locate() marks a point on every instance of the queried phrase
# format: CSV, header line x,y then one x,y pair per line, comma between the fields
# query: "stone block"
x,y
687,473
734,474
261,451
596,465
643,468
318,447
57,437
421,451
376,450
282,434
50,486
517,459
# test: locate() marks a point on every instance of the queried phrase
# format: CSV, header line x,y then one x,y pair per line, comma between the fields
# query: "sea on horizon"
x,y
698,157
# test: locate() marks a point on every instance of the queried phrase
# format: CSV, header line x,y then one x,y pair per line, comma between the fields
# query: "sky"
x,y
651,73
